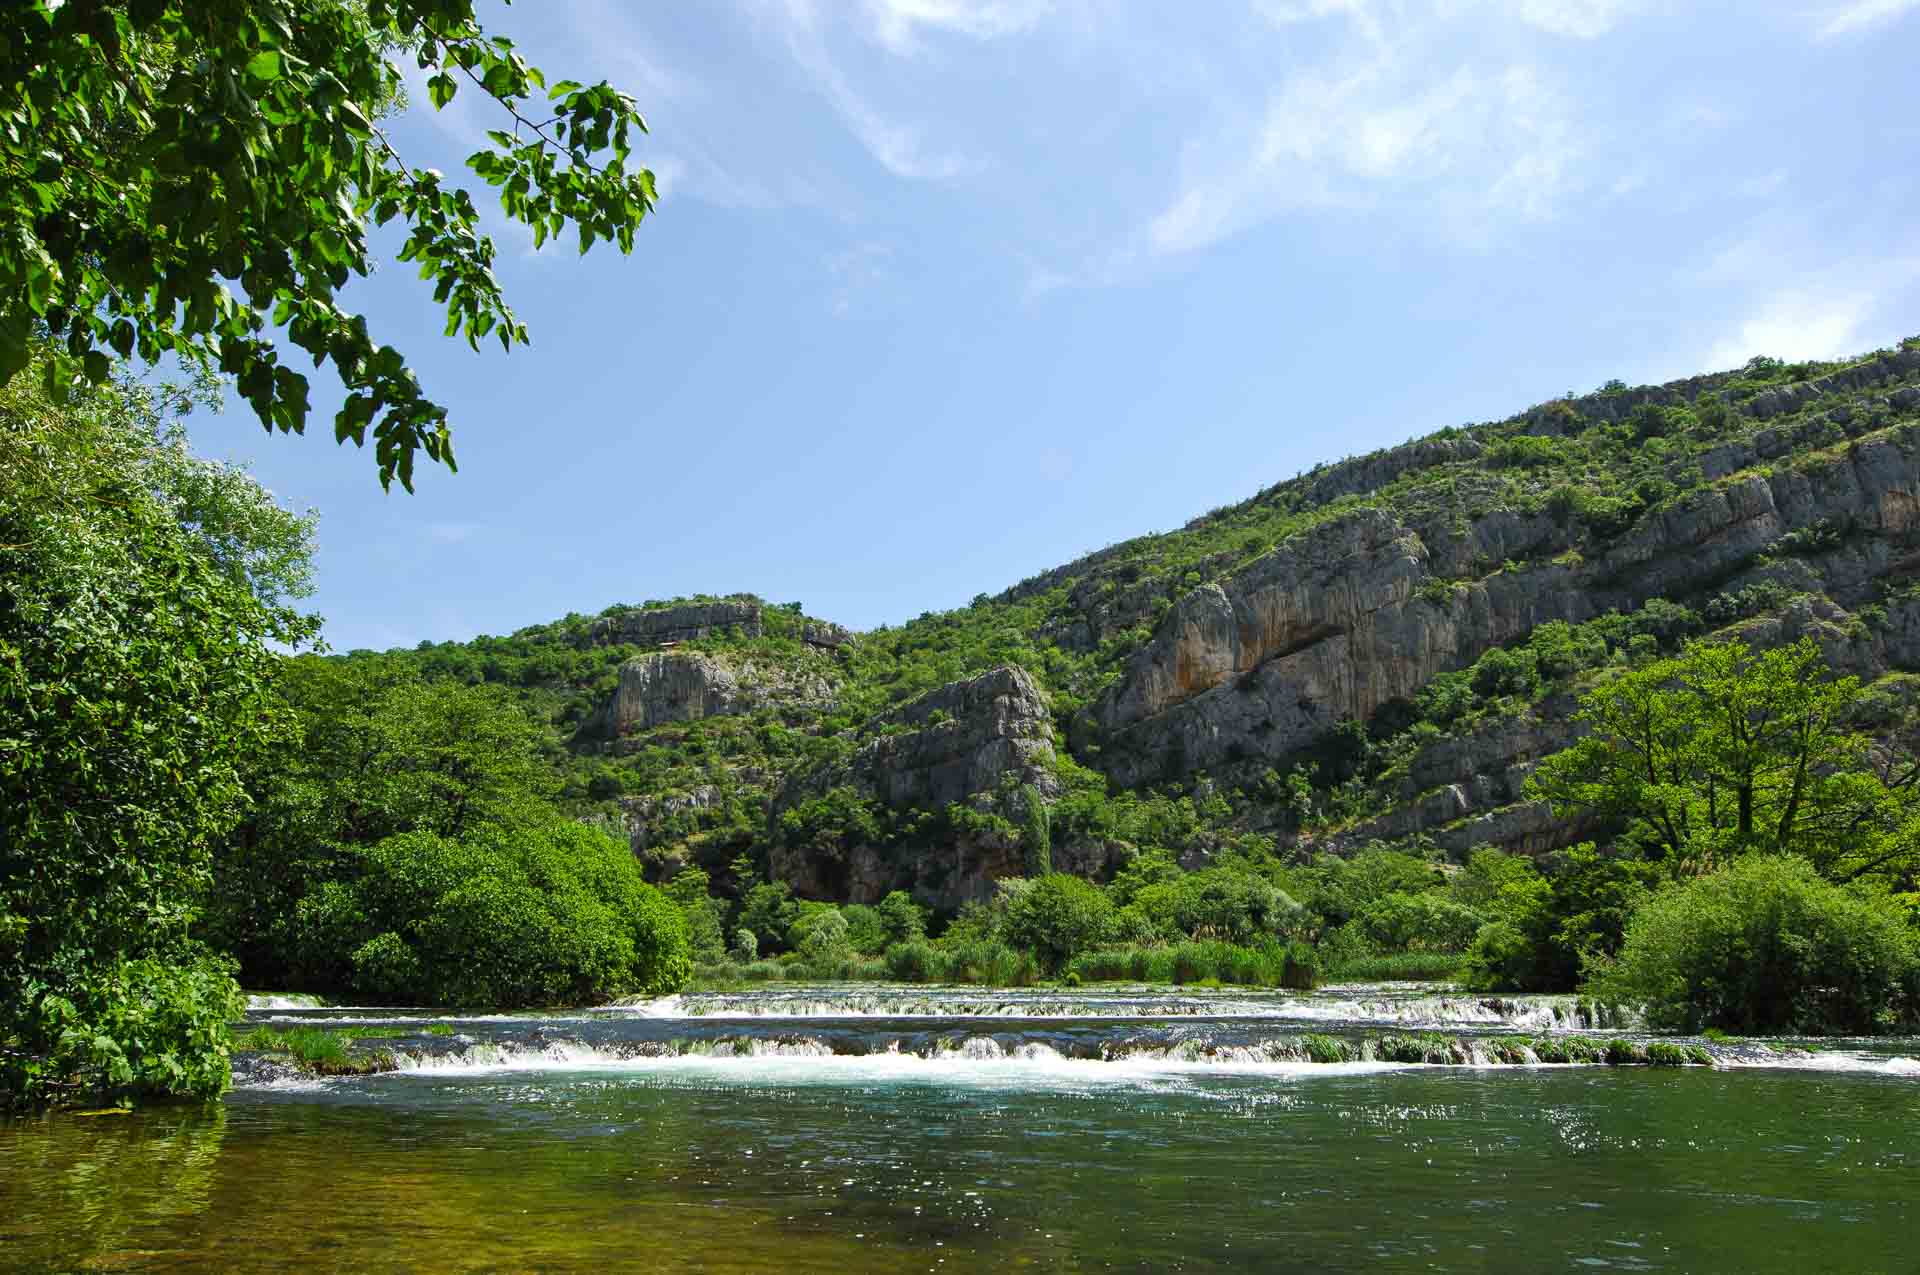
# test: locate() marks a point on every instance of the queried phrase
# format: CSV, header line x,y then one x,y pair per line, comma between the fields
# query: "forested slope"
x,y
1380,649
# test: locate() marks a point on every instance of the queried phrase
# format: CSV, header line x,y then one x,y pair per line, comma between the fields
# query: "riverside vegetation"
x,y
1703,803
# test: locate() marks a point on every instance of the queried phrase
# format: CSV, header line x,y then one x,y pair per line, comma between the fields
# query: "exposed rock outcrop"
x,y
674,687
1352,613
684,623
686,686
956,742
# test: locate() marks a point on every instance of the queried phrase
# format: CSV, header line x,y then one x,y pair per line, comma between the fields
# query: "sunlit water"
x,y
851,1130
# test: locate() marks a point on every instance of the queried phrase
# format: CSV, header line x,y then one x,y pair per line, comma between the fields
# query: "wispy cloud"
x,y
1580,19
1861,14
1799,325
1802,295
1762,185
898,23
1477,139
898,146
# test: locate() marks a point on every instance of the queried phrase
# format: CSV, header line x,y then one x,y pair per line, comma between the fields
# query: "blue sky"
x,y
942,293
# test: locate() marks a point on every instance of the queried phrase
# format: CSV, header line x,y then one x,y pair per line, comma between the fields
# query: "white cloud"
x,y
1580,19
898,146
1798,326
896,23
1800,293
1496,142
1860,14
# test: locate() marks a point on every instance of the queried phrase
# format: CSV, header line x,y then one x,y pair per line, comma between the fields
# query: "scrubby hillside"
x,y
1378,650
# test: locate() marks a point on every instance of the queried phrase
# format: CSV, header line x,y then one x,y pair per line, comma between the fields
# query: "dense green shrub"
x,y
1056,916
1546,925
1419,923
1340,889
1767,945
915,961
548,913
902,919
131,1028
1216,903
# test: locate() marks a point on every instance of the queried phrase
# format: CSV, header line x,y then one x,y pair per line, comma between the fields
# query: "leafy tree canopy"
x,y
1724,751
140,591
196,178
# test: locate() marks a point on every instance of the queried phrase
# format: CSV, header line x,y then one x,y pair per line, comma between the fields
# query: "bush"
x,y
1300,970
1419,923
902,918
132,1029
821,937
916,961
551,913
1545,927
1057,916
1216,903
746,948
1768,945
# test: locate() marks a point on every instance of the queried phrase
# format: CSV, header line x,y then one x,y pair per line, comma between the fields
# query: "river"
x,y
871,1129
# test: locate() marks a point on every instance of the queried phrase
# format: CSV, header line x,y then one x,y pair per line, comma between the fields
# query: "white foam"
x,y
1429,1011
1829,1060
284,1002
981,1062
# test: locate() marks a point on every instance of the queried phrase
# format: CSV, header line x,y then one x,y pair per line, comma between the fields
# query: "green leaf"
x,y
264,65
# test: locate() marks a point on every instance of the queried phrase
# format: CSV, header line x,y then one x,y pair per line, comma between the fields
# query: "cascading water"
x,y
992,1034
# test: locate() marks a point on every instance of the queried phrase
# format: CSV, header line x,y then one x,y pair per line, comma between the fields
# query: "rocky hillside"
x,y
1378,650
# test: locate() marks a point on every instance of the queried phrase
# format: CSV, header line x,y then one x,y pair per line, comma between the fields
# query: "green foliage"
x,y
981,961
124,1029
1766,945
768,911
1219,903
1725,750
903,920
547,913
1342,889
1546,926
1414,967
139,593
375,756
1418,923
156,150
1036,839
1272,964
833,822
1056,916
1528,451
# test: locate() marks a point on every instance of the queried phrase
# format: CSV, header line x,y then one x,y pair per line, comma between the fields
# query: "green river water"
x,y
886,1131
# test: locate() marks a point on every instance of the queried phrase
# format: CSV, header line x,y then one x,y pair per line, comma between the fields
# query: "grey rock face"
x,y
959,741
673,687
676,623
1337,621
686,686
826,636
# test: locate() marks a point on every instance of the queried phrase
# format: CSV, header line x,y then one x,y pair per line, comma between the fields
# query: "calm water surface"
x,y
1113,1133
